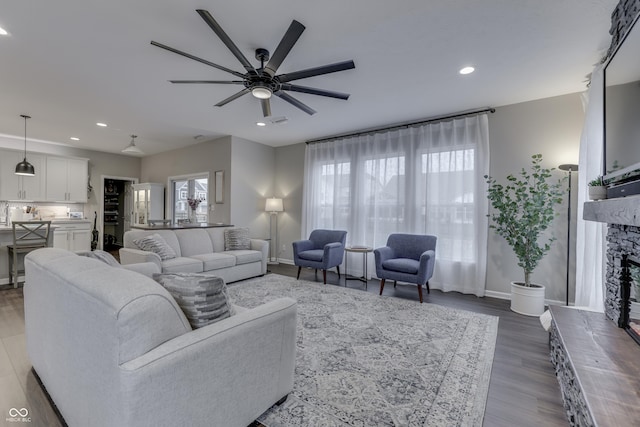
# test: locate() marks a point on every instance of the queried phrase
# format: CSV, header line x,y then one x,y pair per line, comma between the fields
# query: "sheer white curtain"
x,y
426,179
590,236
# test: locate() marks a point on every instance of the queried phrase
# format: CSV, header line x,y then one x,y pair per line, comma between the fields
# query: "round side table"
x,y
365,251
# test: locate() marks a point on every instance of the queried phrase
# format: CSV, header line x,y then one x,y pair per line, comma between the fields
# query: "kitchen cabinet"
x,y
72,236
67,179
148,202
17,187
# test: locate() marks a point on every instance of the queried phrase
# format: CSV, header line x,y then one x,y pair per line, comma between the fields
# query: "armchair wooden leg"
x,y
428,290
324,276
299,268
381,285
395,282
338,268
420,292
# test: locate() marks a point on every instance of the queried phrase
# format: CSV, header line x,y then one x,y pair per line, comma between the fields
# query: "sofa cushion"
x,y
182,265
236,239
156,243
214,261
203,299
194,242
312,254
245,256
403,265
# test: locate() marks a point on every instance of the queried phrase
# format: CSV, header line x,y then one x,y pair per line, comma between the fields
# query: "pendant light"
x,y
24,167
131,148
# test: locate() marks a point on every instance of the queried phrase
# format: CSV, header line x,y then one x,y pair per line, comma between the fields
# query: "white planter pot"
x,y
597,192
527,300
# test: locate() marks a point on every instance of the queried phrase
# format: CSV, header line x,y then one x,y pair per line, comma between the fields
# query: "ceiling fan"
x,y
263,82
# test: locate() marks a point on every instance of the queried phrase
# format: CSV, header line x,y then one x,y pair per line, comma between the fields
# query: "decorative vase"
x,y
193,219
597,192
527,300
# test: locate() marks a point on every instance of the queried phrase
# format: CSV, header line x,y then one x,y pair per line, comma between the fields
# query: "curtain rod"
x,y
404,125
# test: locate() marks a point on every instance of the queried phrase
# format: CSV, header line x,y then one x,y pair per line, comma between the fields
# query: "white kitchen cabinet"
x,y
148,202
72,237
17,187
67,179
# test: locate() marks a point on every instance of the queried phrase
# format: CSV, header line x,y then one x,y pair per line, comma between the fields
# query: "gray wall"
x,y
252,178
208,156
549,126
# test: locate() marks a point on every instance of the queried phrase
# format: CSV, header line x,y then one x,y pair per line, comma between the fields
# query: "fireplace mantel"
x,y
623,211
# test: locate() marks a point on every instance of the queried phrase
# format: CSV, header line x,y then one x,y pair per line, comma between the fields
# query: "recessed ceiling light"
x,y
467,70
104,125
3,32
261,124
74,138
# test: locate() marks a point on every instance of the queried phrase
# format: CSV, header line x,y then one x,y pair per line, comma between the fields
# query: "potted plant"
x,y
524,209
597,189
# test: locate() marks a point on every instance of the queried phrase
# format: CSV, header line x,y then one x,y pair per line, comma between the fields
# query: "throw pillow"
x,y
156,243
203,299
236,239
103,256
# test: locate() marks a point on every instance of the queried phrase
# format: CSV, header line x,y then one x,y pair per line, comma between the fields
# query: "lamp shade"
x,y
274,205
25,168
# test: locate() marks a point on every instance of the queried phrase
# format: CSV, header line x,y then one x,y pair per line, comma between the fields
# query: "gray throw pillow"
x,y
203,299
156,243
103,256
236,239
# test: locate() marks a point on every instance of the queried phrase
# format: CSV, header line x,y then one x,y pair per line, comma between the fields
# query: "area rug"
x,y
369,360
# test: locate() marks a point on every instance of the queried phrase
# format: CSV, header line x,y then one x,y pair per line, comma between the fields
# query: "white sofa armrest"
x,y
146,268
243,364
262,246
136,256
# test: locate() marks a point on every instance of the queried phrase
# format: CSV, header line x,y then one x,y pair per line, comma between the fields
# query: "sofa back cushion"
x,y
194,242
216,234
82,303
168,235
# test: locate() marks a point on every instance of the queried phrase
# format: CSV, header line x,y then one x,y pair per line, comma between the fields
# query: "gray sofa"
x,y
200,250
113,348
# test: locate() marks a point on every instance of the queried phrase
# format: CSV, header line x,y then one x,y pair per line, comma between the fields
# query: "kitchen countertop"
x,y
54,222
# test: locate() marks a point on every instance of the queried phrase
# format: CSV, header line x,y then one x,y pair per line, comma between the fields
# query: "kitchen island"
x,y
173,226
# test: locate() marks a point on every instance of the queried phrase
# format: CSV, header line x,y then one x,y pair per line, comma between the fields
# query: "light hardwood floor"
x,y
523,390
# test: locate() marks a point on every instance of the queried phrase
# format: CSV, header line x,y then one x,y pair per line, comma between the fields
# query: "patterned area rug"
x,y
367,360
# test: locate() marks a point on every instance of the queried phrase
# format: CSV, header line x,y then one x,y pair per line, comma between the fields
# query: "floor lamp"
x,y
273,206
569,168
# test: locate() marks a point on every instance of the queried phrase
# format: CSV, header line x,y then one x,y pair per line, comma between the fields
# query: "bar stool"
x,y
27,236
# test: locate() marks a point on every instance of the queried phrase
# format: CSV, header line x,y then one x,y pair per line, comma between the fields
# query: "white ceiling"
x,y
70,64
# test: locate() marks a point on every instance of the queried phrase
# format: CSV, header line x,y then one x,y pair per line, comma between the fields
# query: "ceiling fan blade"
x,y
217,82
288,40
233,97
266,107
226,40
195,58
314,91
317,71
291,100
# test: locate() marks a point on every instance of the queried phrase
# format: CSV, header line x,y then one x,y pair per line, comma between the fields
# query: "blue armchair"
x,y
408,258
323,250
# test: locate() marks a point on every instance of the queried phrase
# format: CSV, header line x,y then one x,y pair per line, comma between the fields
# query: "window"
x,y
186,187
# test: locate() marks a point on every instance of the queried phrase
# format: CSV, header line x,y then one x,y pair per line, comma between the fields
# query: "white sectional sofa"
x,y
113,348
200,250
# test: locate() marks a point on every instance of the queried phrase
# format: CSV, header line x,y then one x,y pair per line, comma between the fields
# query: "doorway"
x,y
116,212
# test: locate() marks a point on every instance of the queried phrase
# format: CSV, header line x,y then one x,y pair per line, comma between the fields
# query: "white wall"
x,y
549,126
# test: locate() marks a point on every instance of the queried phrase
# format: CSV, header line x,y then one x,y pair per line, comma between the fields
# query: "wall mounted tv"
x,y
622,117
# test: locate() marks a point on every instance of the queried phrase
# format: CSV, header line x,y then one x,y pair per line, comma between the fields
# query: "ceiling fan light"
x,y
261,92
